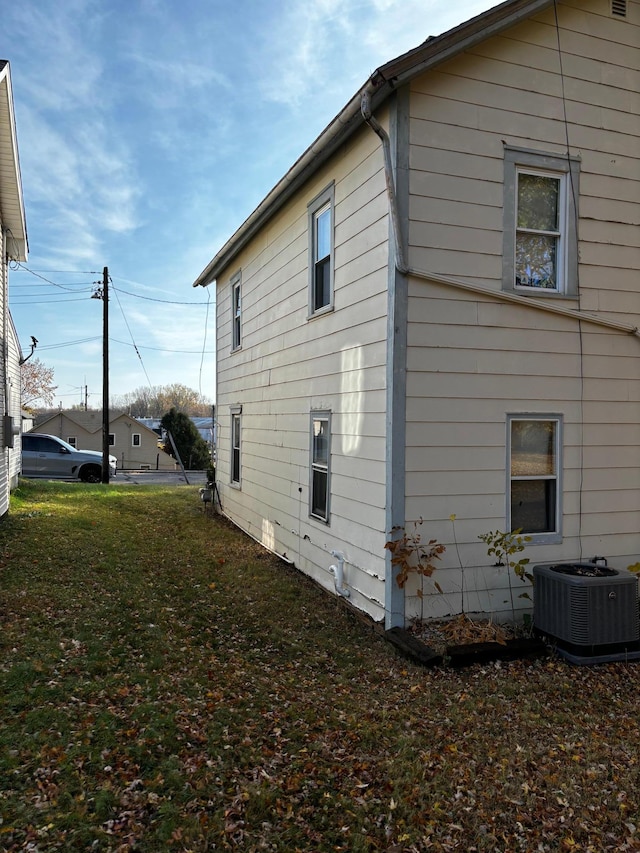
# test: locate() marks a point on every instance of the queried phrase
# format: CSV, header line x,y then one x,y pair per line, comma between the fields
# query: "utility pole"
x,y
105,375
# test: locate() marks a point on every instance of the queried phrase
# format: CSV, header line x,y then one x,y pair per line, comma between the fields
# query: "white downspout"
x,y
338,573
374,124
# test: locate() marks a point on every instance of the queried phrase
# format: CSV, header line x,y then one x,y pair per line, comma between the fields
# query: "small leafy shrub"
x,y
503,546
413,556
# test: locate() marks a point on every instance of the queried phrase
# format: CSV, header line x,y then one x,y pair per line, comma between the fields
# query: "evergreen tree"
x,y
193,449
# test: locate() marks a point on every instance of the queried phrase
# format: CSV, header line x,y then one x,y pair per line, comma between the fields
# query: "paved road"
x,y
148,478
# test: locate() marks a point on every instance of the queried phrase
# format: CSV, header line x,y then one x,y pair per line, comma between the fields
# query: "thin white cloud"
x,y
334,45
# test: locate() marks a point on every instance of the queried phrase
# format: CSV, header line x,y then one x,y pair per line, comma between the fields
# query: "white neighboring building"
x,y
13,247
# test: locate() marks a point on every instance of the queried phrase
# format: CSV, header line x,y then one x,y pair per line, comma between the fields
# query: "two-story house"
x,y
435,313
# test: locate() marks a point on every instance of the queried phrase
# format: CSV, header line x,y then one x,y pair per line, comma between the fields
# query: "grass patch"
x,y
166,685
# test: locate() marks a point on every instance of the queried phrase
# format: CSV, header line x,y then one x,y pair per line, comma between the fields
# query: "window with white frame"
x,y
319,490
135,439
540,223
321,252
236,426
71,439
533,506
236,311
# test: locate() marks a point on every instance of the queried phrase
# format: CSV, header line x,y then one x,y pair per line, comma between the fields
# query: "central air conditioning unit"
x,y
590,609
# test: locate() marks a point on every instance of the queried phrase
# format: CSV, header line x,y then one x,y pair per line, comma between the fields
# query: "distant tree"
x,y
154,401
36,385
193,449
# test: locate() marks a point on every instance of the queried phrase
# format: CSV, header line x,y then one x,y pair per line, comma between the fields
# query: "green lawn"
x,y
167,685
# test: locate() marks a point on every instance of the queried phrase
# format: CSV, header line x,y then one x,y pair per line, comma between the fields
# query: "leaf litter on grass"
x,y
165,684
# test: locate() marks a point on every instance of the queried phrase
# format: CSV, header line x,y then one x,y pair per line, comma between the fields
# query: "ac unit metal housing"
x,y
586,607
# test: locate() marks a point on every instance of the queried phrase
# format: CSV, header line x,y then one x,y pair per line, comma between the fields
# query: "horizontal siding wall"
x,y
509,90
14,405
5,457
472,359
290,365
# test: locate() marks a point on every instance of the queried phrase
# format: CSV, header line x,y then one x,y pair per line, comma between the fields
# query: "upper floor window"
x,y
135,439
534,476
236,312
112,439
321,252
540,223
71,439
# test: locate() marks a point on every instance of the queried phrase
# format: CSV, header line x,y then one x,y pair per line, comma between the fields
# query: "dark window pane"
x,y
533,506
319,494
235,471
321,295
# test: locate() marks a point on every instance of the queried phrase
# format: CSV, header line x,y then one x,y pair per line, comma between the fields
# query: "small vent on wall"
x,y
619,8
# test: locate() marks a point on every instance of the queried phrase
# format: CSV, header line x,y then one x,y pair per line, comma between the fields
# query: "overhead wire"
x,y
73,288
580,332
126,322
204,342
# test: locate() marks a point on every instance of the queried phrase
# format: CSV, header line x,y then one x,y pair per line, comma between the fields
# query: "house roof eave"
x,y
11,200
380,85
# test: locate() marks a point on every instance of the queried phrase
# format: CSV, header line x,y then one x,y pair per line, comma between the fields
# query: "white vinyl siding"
x,y
469,362
290,366
507,93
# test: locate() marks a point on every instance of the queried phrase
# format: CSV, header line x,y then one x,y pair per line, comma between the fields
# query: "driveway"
x,y
162,478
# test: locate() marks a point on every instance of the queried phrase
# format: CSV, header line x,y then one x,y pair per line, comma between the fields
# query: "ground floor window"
x,y
320,465
534,474
236,417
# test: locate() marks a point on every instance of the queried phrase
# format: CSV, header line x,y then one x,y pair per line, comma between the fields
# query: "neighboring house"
x,y
134,444
13,247
435,312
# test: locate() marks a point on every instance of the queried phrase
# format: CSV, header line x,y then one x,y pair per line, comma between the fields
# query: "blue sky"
x,y
148,130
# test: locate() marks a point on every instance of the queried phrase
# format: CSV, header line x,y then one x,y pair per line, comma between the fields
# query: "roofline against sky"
x,y
11,198
380,85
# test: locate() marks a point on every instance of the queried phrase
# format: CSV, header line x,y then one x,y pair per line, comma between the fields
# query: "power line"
x,y
153,299
70,285
124,343
126,322
204,343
